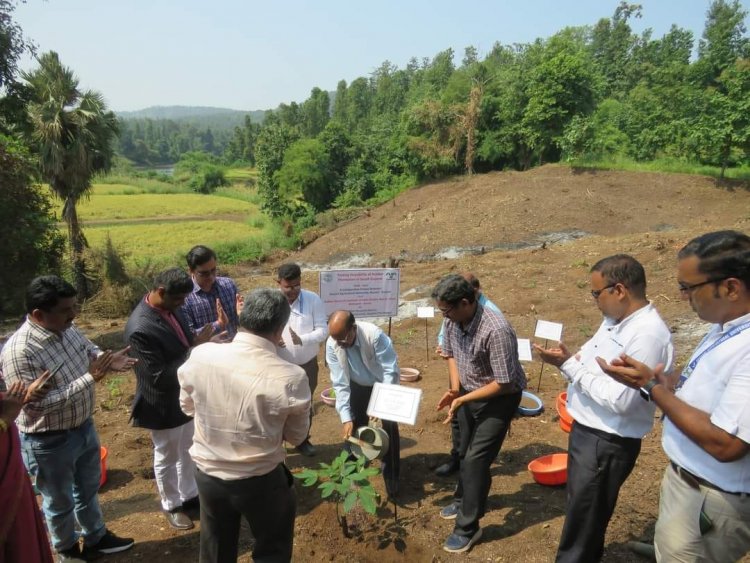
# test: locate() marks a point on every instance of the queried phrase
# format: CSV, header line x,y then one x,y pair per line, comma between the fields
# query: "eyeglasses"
x,y
595,293
684,288
344,341
446,310
206,273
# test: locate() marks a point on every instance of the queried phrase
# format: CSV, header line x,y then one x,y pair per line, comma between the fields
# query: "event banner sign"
x,y
366,292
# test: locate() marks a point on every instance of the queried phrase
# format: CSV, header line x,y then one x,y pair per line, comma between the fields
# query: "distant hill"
x,y
200,116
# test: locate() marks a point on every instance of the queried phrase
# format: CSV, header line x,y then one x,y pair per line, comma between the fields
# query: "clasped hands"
x,y
110,361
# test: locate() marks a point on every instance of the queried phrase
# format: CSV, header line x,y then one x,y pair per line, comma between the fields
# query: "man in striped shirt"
x,y
58,437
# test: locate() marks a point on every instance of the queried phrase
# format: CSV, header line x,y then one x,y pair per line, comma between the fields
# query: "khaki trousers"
x,y
678,536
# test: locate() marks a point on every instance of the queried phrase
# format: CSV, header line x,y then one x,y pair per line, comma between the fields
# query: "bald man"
x,y
359,354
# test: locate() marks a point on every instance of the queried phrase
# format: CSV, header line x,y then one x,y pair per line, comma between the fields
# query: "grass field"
x,y
159,221
170,241
140,206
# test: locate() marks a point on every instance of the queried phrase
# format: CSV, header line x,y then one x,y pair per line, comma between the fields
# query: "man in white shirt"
x,y
306,329
610,418
704,506
245,401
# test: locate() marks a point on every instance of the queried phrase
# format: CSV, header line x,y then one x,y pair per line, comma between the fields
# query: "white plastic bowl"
x,y
409,374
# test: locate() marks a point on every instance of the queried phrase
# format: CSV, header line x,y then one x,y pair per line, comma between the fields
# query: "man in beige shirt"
x,y
245,401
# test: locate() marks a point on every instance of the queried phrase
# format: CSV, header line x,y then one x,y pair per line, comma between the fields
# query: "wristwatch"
x,y
646,389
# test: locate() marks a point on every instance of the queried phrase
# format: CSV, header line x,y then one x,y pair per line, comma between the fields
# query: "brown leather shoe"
x,y
178,519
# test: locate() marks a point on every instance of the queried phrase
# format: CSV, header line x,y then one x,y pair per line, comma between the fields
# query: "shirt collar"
x,y
474,324
197,288
42,333
729,325
631,318
254,340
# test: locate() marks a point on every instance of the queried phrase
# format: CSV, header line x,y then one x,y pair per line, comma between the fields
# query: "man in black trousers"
x,y
486,381
246,401
610,418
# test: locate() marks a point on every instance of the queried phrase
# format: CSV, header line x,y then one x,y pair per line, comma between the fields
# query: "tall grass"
x,y
237,174
241,193
670,165
156,206
121,184
165,244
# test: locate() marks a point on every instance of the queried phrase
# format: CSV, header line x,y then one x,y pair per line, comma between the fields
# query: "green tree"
x,y
13,95
316,112
32,244
723,40
305,175
73,135
273,141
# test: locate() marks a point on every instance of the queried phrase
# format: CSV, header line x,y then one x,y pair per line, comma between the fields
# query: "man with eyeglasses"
x,y
486,381
304,332
451,466
610,418
359,355
213,299
704,504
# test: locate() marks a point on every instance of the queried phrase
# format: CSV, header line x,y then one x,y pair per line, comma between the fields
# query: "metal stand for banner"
x,y
539,383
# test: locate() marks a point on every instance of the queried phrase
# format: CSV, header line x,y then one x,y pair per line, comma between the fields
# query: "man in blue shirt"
x,y
359,355
213,299
451,466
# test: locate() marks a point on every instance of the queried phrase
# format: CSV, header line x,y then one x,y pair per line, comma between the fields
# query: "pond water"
x,y
165,169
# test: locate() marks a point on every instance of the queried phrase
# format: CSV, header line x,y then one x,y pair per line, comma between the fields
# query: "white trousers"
x,y
173,467
678,537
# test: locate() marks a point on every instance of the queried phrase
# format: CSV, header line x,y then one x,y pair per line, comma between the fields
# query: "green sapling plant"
x,y
346,482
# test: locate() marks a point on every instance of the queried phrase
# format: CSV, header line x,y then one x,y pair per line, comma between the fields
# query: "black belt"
x,y
51,432
695,482
608,436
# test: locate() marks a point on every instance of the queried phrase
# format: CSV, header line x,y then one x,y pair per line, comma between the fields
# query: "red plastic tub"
x,y
550,469
566,421
103,455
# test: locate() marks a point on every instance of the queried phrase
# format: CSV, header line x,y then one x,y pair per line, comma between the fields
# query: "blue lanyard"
x,y
688,371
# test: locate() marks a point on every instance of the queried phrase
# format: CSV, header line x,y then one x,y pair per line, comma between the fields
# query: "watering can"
x,y
370,443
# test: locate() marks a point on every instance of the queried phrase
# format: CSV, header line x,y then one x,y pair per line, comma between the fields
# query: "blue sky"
x,y
254,55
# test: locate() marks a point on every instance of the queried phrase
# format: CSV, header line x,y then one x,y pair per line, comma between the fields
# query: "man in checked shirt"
x,y
486,381
58,437
213,299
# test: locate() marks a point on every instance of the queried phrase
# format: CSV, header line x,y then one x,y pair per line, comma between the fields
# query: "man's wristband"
x,y
645,391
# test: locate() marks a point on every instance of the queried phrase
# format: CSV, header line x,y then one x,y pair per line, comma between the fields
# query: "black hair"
x,y
623,269
452,289
199,255
44,292
289,271
721,255
175,281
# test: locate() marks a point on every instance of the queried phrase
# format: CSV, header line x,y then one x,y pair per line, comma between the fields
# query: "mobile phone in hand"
x,y
52,372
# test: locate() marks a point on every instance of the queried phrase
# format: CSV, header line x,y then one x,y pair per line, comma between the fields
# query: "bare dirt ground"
x,y
647,215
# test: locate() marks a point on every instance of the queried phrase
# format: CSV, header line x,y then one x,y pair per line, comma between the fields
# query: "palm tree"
x,y
73,134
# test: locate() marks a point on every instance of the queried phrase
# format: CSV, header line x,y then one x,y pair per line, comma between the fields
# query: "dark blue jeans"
x,y
483,427
67,467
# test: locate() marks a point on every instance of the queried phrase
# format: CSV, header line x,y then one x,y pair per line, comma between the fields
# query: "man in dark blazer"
x,y
159,337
